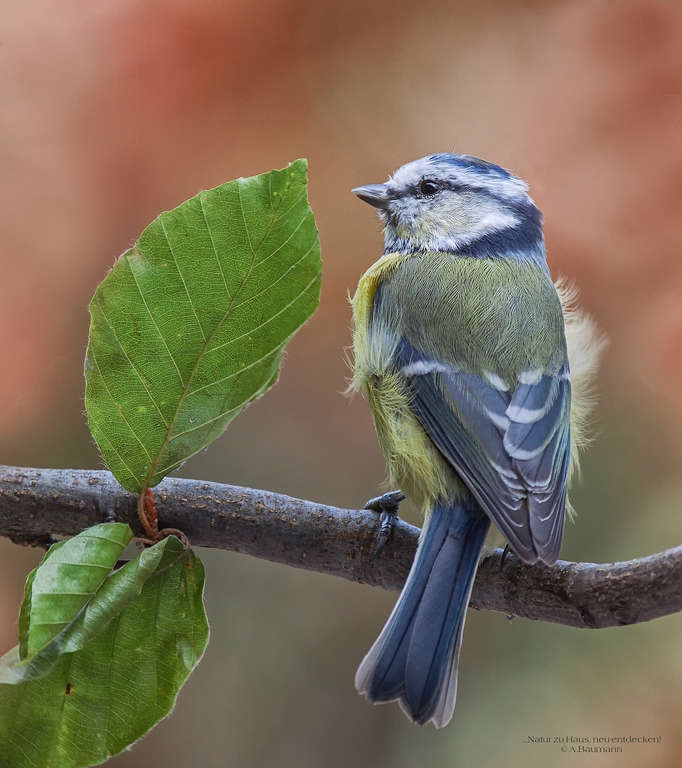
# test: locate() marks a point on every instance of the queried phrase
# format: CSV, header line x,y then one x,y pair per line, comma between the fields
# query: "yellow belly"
x,y
415,465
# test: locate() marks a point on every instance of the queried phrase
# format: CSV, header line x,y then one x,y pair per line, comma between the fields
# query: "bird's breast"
x,y
476,315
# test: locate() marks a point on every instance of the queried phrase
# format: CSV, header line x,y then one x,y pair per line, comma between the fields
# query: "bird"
x,y
478,370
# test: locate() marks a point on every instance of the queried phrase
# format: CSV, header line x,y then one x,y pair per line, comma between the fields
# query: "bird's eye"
x,y
428,187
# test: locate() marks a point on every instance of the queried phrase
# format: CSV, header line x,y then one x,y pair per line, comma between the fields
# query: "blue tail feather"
x,y
414,659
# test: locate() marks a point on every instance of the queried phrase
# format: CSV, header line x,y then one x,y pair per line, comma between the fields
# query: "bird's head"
x,y
459,204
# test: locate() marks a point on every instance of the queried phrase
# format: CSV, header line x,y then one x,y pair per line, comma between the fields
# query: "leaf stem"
x,y
146,511
142,504
174,532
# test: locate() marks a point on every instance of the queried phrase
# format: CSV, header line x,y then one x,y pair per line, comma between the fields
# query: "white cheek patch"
x,y
496,220
408,214
447,223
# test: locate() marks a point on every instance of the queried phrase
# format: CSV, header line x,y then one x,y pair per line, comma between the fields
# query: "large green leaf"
x,y
189,325
116,592
97,701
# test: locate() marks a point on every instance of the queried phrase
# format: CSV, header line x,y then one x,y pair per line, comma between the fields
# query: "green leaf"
x,y
25,614
25,610
190,324
99,700
120,589
116,592
66,580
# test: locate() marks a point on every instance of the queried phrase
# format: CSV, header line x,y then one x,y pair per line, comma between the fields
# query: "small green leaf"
x,y
119,589
67,579
190,324
116,592
99,700
25,610
25,614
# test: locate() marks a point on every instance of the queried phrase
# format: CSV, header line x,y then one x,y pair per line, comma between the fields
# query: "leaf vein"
x,y
215,250
184,284
262,325
274,283
208,421
284,242
207,342
117,619
123,416
127,356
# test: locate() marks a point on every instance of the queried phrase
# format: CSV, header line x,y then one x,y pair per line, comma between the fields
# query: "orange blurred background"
x,y
111,112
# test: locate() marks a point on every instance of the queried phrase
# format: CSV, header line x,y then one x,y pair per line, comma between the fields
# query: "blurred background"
x,y
111,112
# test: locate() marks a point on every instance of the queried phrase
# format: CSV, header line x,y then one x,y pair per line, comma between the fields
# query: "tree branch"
x,y
35,503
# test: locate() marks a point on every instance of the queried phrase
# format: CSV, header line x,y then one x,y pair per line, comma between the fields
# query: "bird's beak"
x,y
374,194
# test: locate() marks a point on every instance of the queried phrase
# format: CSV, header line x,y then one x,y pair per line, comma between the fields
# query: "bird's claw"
x,y
503,559
387,506
388,502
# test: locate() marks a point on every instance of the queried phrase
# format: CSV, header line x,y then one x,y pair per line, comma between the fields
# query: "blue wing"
x,y
511,447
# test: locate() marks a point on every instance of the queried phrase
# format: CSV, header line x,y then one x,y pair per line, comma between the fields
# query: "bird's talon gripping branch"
x,y
388,502
387,506
386,522
503,559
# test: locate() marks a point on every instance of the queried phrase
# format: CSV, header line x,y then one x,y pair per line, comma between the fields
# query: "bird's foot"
x,y
503,559
387,506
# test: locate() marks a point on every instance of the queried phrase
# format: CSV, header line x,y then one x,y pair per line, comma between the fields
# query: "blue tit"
x,y
477,371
